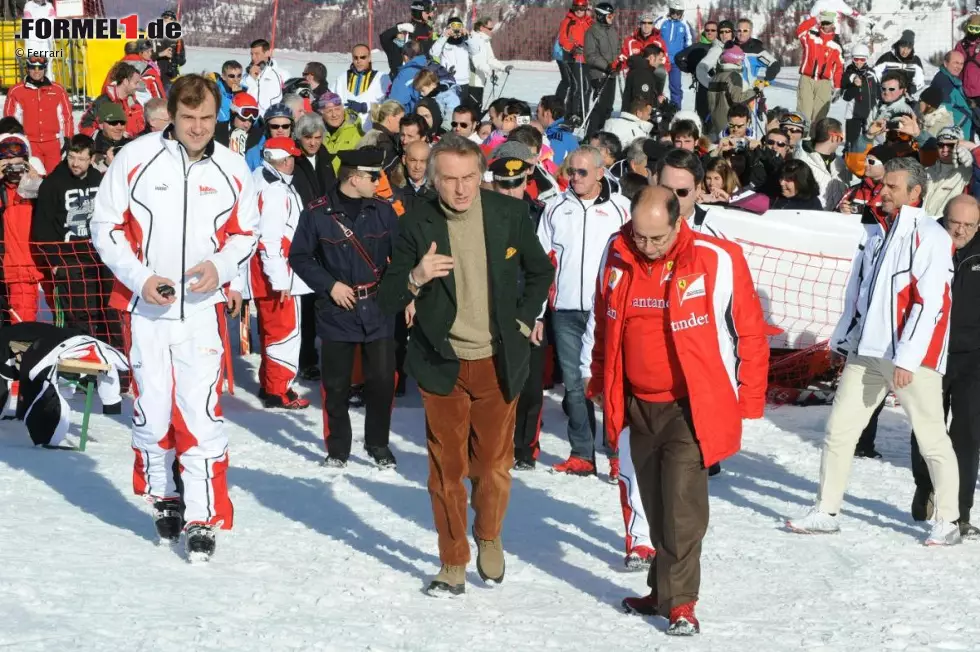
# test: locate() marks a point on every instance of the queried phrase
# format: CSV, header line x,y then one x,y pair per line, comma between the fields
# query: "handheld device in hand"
x,y
857,205
166,291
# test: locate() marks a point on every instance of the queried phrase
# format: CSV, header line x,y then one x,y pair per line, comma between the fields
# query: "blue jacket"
x,y
322,255
401,87
955,100
563,141
253,156
676,35
224,111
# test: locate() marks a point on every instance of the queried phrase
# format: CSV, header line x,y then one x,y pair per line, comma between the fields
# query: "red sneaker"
x,y
613,470
575,466
641,605
683,622
288,401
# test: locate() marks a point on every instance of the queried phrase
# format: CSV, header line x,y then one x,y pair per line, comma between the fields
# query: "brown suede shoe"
x,y
490,559
450,582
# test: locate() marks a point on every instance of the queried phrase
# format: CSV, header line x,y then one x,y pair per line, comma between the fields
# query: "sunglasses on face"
x,y
775,143
647,22
461,125
680,192
710,30
36,66
744,31
280,125
373,176
725,31
947,145
798,132
115,123
973,29
578,172
889,89
732,125
231,76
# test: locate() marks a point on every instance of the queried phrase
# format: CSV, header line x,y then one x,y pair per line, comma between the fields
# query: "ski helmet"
x,y
580,4
860,51
278,110
298,86
244,106
604,9
420,6
675,6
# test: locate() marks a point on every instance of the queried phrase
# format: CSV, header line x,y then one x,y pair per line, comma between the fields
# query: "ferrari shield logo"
x,y
690,287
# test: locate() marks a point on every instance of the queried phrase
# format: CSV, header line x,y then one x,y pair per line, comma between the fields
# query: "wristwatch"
x,y
411,281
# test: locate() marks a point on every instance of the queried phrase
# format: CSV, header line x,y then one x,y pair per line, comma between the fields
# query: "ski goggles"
x,y
794,119
973,29
37,62
246,112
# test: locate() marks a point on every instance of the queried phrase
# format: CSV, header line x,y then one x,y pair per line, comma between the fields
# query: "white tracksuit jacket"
x,y
454,58
898,296
484,61
156,213
575,238
267,89
279,209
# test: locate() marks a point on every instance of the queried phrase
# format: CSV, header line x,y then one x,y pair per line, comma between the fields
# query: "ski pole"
x,y
503,85
493,88
581,85
585,121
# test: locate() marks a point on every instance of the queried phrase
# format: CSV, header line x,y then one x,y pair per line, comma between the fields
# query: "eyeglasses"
x,y
732,125
776,143
280,125
947,145
578,172
373,176
643,241
461,125
889,89
247,112
231,76
114,123
680,192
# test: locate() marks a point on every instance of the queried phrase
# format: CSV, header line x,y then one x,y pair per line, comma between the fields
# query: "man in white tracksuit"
x,y
40,9
361,85
485,63
267,89
274,285
174,220
894,331
453,53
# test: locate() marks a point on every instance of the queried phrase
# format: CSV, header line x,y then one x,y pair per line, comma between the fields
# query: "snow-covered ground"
x,y
326,561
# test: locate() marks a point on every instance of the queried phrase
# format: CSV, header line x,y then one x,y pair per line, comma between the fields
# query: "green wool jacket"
x,y
513,251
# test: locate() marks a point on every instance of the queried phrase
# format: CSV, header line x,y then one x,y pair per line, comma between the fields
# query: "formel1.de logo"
x,y
126,27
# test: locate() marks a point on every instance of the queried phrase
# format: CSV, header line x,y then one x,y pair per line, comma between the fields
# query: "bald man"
x,y
658,296
961,384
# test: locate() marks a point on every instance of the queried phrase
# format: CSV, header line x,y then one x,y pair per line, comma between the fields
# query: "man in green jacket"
x,y
459,258
343,131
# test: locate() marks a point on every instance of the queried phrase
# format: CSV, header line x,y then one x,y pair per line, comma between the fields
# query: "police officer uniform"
x,y
349,240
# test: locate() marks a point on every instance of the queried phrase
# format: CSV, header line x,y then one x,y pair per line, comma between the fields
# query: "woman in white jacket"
x,y
485,63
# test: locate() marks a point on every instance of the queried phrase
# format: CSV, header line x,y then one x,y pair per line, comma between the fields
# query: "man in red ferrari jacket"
x,y
681,357
42,106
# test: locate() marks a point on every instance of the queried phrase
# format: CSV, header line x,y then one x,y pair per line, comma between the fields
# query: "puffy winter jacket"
x,y
868,193
563,141
898,301
643,80
822,53
946,180
43,109
401,86
16,213
717,327
574,237
279,210
676,34
454,56
601,49
628,127
367,88
964,331
833,183
970,49
861,100
635,44
267,89
910,65
725,91
344,138
485,63
954,99
224,111
158,214
571,35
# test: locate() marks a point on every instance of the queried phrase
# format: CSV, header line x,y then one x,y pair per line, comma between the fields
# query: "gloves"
x,y
406,27
357,107
508,68
963,157
578,50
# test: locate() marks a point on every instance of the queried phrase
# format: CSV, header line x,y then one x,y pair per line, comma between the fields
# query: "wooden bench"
x,y
82,367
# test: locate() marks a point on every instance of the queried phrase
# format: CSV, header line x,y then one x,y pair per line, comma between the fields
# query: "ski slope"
x,y
321,560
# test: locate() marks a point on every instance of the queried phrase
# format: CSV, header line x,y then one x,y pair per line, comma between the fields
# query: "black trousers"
x,y
527,426
867,440
961,395
474,97
401,343
700,101
307,343
337,365
579,89
604,94
565,85
852,130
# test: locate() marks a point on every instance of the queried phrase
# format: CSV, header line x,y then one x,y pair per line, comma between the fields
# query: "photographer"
x,y
111,135
453,53
894,86
19,274
170,55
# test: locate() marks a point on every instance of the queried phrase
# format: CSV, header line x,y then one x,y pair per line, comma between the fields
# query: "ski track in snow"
x,y
327,561
321,560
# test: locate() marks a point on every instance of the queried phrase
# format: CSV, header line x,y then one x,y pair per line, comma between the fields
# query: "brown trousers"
x,y
469,432
673,487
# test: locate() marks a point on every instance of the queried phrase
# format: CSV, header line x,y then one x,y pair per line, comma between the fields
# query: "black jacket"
x,y
412,198
964,318
321,254
423,35
64,205
512,249
391,49
310,183
170,68
642,81
222,134
863,97
781,203
907,63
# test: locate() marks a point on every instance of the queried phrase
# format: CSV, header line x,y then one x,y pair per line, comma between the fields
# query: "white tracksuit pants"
x,y
635,519
177,376
863,385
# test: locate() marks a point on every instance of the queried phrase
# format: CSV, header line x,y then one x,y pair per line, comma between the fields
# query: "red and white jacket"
x,y
636,43
158,213
44,110
898,296
279,209
718,330
823,56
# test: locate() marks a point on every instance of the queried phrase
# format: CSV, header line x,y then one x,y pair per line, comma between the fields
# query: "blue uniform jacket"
x,y
322,255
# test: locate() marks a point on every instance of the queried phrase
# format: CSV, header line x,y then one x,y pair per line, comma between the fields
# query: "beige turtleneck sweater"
x,y
471,335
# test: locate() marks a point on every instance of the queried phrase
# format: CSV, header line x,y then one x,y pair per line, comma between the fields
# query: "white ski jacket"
x,y
898,295
158,213
267,89
833,183
575,238
454,58
484,61
627,128
279,209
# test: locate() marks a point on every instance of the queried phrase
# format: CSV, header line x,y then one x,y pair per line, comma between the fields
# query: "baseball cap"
x,y
276,149
111,112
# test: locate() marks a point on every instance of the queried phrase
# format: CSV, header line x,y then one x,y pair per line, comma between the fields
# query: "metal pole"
x,y
275,19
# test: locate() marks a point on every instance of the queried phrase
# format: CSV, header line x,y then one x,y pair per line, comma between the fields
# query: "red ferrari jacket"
x,y
571,34
15,215
43,108
135,121
823,57
636,43
718,330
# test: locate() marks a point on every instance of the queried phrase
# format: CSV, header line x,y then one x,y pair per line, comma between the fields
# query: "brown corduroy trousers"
x,y
469,433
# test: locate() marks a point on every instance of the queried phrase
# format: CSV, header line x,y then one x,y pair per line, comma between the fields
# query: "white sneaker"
x,y
944,534
814,522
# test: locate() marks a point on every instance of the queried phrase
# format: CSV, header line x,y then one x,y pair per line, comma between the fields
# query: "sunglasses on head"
x,y
114,123
461,125
280,125
775,143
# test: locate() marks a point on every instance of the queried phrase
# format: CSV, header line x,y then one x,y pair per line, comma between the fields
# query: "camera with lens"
x,y
14,170
741,144
893,125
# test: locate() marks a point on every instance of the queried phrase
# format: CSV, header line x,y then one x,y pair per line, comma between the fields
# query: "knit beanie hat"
x,y
932,96
733,55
